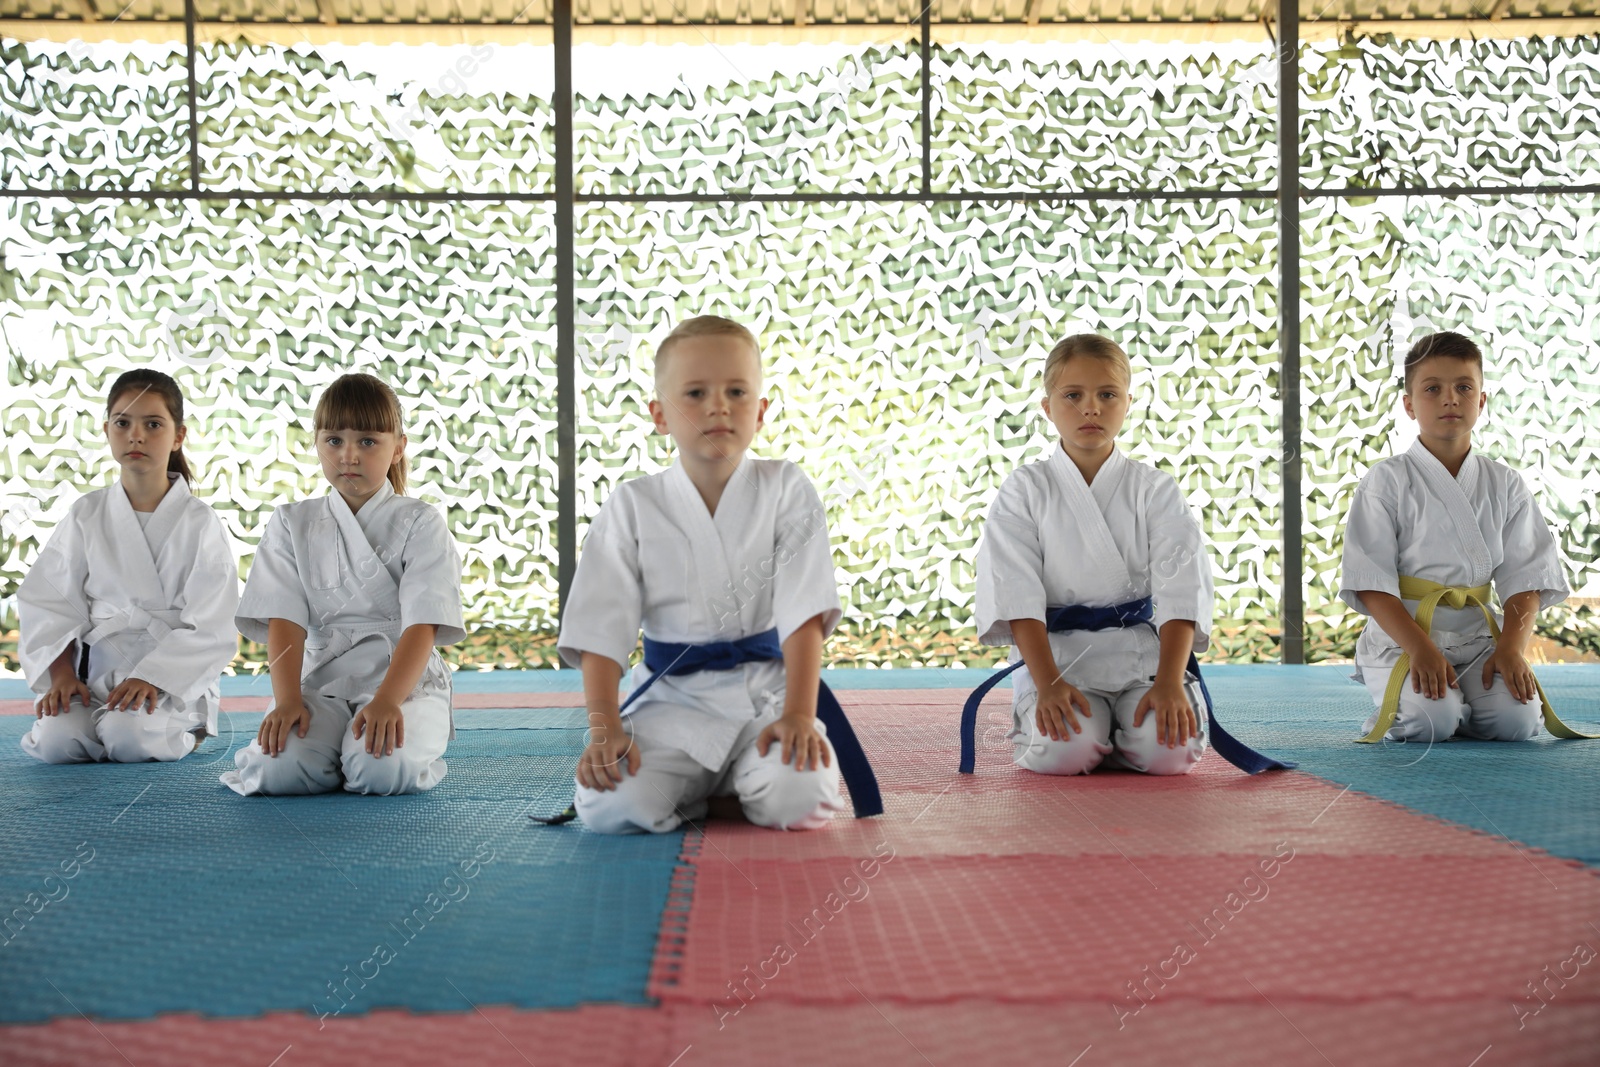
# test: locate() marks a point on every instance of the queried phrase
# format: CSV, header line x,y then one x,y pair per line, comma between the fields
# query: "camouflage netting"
x,y
903,339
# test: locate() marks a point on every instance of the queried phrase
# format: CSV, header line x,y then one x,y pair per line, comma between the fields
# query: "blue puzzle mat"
x,y
1544,792
304,903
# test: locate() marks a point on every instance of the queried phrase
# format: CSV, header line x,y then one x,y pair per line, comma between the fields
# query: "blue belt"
x,y
1134,612
666,658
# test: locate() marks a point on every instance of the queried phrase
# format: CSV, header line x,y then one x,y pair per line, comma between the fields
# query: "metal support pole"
x,y
926,19
566,314
194,92
1294,609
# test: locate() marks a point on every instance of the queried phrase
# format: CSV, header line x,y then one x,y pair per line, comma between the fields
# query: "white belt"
x,y
131,619
335,641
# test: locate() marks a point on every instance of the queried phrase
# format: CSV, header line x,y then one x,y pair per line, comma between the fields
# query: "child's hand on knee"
x,y
609,751
1054,712
132,694
1510,665
798,735
1431,673
60,695
384,725
1175,718
273,736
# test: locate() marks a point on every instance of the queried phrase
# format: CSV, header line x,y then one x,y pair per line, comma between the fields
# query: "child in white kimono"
x,y
1087,527
360,584
718,548
1428,531
142,574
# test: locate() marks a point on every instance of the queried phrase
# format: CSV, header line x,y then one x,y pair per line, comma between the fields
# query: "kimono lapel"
x,y
710,555
167,514
736,509
368,570
1456,495
136,566
1104,570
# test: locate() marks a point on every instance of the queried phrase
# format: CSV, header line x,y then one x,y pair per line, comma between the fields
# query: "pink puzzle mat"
x,y
1215,918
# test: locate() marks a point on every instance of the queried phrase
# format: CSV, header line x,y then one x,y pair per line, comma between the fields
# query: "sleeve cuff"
x,y
998,633
1552,588
1367,581
441,613
254,626
187,694
830,611
571,647
1185,612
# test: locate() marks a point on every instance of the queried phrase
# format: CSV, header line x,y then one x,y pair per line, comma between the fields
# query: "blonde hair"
x,y
1091,345
365,404
704,326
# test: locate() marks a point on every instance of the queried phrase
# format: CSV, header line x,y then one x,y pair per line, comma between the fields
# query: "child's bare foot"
x,y
724,808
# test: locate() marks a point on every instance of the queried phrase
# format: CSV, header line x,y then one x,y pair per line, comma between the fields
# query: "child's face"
x,y
141,432
1087,404
707,400
357,462
1446,397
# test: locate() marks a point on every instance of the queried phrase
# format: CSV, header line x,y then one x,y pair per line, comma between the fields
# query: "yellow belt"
x,y
1430,595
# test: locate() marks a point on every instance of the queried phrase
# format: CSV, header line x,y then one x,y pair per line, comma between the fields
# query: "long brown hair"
x,y
365,404
144,380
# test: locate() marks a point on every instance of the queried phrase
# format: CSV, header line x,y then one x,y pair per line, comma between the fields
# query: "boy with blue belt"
x,y
725,563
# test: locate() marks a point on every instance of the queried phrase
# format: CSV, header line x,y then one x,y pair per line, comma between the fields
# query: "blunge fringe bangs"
x,y
366,404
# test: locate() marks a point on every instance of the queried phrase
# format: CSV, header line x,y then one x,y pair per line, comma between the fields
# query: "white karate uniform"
x,y
656,558
1410,517
1050,540
354,583
152,595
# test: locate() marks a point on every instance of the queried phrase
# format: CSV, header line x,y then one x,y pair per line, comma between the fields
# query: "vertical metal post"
x,y
926,19
566,312
1293,613
194,92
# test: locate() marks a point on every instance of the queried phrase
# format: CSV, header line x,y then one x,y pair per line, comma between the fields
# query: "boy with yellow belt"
x,y
1429,532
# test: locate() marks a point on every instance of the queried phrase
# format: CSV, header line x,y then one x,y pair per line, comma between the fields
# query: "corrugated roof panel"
x,y
784,11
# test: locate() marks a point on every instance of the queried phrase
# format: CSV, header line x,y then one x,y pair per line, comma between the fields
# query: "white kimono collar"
x,y
337,502
370,569
707,549
1104,566
136,552
1457,493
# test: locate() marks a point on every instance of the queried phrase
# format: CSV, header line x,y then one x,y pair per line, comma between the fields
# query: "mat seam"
x,y
1567,861
666,965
